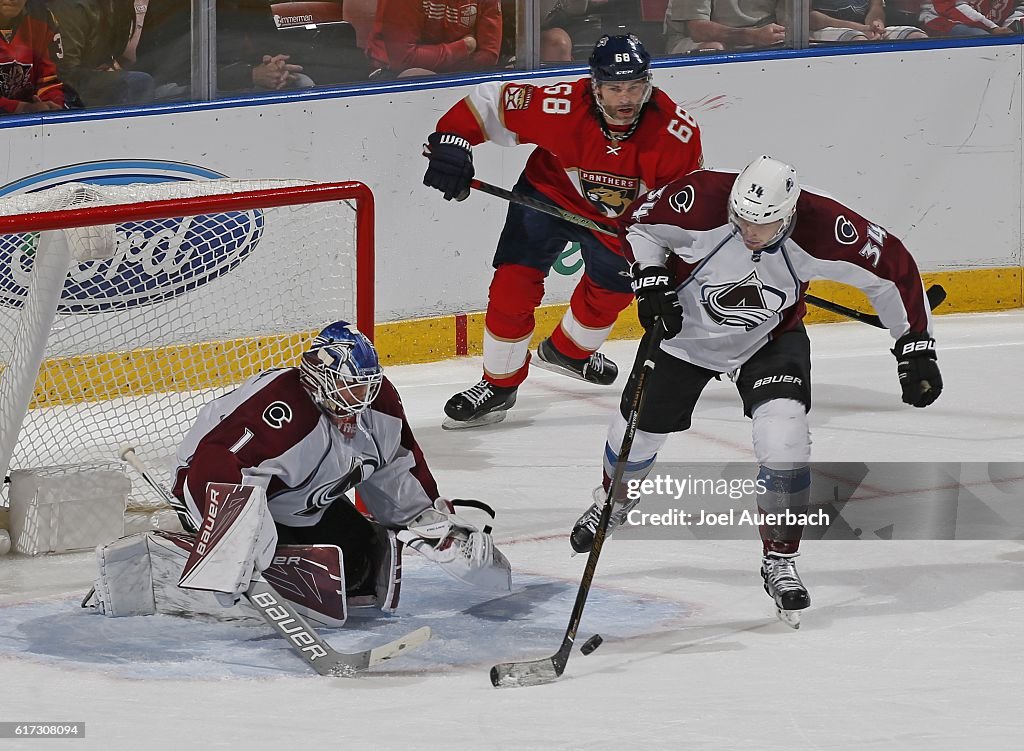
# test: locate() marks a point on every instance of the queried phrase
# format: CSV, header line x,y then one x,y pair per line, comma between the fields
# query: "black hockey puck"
x,y
591,644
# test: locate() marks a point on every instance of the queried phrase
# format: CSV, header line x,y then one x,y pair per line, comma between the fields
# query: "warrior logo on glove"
x,y
451,165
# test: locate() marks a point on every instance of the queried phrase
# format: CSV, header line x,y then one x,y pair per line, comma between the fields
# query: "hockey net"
x,y
124,309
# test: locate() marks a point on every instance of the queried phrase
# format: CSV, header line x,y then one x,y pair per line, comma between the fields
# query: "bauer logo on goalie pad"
x,y
225,502
142,262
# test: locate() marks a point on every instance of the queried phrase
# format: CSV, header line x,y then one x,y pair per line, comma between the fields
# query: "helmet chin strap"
x,y
605,119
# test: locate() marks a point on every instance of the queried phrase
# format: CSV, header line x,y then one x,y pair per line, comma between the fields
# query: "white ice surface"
x,y
907,645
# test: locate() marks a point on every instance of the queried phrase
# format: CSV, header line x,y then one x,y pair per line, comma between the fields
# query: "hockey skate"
x,y
594,369
583,531
482,404
782,583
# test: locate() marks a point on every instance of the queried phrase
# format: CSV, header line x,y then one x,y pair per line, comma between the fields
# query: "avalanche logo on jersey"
x,y
846,232
610,194
682,201
325,495
747,303
152,260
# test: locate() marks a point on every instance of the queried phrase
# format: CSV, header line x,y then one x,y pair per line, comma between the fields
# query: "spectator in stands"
x,y
692,25
28,74
902,12
558,19
133,43
251,53
972,18
94,35
419,37
855,21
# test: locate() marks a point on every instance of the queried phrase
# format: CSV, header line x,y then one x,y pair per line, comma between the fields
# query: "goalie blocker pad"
x,y
234,544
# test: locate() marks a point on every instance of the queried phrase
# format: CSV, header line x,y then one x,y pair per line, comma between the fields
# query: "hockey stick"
x,y
545,208
936,294
547,669
280,614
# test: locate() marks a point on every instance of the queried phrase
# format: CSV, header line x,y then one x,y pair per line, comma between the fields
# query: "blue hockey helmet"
x,y
620,63
619,58
341,371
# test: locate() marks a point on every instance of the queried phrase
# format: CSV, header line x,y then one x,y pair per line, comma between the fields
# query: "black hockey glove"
x,y
918,369
655,298
451,165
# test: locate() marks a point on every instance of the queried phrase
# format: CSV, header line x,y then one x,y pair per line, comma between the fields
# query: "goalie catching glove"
x,y
918,370
458,547
451,165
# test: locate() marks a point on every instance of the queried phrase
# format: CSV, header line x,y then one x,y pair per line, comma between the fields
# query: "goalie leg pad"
x,y
312,578
138,575
383,589
124,584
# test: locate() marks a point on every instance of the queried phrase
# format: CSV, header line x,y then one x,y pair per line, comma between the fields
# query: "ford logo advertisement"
x,y
153,261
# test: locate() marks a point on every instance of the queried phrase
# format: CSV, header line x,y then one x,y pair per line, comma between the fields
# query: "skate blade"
x,y
489,419
553,368
790,617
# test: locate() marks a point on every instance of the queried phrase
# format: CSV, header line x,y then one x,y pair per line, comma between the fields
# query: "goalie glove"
x,y
918,370
451,165
458,547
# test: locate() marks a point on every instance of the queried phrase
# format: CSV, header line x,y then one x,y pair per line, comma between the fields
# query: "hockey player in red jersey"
x,y
28,73
720,264
601,141
272,463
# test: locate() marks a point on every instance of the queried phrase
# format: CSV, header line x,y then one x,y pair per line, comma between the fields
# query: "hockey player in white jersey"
x,y
272,463
720,263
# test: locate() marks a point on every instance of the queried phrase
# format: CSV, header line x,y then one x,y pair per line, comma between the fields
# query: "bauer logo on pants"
x,y
148,261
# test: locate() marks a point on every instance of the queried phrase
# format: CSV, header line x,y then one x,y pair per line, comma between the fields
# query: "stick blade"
x,y
530,673
936,296
349,665
398,647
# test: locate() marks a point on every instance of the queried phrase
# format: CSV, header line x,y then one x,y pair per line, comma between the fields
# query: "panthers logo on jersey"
x,y
747,303
610,194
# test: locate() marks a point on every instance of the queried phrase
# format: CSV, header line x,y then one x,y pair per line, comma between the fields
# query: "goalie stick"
x,y
280,614
936,294
548,669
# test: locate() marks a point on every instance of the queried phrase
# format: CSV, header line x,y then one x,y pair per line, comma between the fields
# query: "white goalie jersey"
x,y
268,432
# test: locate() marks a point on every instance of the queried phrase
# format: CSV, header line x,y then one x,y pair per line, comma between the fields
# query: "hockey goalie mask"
x,y
620,72
765,192
340,371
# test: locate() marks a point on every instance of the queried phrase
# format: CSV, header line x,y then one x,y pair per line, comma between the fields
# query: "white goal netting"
x,y
140,314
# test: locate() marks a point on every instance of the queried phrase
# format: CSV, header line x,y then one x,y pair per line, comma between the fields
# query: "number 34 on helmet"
x,y
341,371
